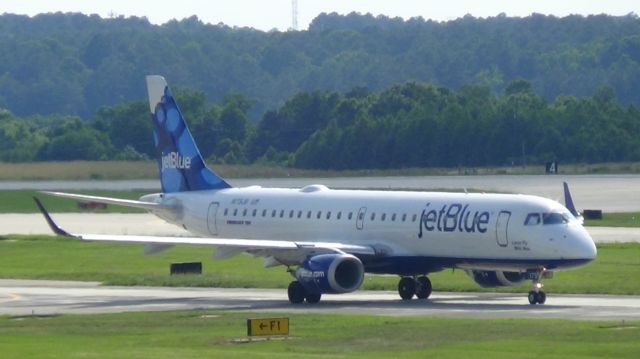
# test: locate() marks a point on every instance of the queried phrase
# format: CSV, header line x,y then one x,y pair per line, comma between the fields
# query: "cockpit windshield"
x,y
557,218
532,219
548,218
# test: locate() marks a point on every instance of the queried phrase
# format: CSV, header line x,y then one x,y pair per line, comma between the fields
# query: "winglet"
x,y
54,227
568,201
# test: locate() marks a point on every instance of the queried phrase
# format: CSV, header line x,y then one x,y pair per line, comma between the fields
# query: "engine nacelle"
x,y
489,279
331,273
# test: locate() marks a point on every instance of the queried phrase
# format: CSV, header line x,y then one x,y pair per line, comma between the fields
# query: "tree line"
x,y
407,125
72,64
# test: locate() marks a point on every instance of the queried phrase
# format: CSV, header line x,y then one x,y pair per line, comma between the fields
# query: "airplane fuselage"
x,y
416,232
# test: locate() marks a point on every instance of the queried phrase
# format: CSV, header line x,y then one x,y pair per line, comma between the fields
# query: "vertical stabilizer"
x,y
181,166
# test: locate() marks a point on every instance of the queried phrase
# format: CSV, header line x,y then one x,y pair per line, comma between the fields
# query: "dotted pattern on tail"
x,y
181,165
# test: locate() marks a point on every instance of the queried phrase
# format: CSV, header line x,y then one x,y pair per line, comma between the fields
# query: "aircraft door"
x,y
502,228
211,218
360,218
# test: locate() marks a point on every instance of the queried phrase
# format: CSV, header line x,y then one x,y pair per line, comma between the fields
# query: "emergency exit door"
x,y
211,218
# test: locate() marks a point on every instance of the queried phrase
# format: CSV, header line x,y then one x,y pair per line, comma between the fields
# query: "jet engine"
x,y
489,279
330,273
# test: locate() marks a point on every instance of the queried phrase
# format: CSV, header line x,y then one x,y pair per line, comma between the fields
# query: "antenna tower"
x,y
294,15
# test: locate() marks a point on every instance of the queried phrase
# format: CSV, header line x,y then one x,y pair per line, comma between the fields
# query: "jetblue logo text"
x,y
303,273
174,160
455,217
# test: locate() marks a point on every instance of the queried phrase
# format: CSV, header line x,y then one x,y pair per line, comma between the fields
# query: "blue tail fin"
x,y
181,165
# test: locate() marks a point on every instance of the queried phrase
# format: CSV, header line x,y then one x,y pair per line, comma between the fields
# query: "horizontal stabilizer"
x,y
108,200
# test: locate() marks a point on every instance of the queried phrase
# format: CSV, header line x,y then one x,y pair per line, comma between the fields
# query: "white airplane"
x,y
328,239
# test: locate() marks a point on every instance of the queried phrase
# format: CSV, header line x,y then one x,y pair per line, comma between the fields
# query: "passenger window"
x,y
319,214
413,218
361,216
255,211
384,216
404,217
264,212
281,213
373,216
350,215
226,211
299,214
291,214
393,217
235,212
329,215
273,213
339,215
533,219
309,214
244,213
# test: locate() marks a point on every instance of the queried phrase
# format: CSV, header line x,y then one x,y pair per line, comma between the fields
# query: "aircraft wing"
x,y
291,250
246,244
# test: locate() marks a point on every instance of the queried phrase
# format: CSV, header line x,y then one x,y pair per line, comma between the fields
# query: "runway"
x,y
41,298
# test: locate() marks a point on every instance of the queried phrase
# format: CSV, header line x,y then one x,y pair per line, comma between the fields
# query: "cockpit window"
x,y
554,218
532,219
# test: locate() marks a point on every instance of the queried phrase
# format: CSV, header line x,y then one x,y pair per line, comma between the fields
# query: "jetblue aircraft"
x,y
328,239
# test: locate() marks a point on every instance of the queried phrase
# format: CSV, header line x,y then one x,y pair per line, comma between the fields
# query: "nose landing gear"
x,y
537,295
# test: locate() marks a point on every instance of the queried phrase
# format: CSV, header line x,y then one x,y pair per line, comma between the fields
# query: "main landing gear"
x,y
298,294
537,295
410,286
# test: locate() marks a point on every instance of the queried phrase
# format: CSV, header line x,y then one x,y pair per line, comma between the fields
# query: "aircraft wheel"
x,y
296,292
542,297
406,288
533,298
423,287
313,298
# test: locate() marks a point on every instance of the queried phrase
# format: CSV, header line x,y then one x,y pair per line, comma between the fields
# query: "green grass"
x,y
22,202
78,170
46,257
616,219
211,334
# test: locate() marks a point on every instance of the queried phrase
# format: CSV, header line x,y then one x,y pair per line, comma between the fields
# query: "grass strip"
x,y
616,219
212,334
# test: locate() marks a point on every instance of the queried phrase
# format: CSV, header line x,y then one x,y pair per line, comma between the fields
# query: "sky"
x,y
276,14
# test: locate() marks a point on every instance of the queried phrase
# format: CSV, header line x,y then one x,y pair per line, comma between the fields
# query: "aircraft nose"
x,y
587,246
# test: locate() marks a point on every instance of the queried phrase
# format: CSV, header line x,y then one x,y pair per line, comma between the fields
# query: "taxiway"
x,y
41,298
